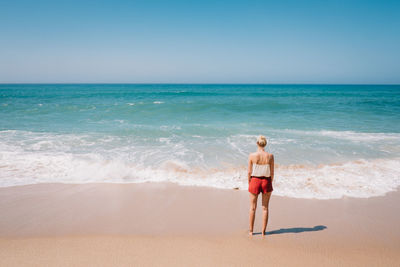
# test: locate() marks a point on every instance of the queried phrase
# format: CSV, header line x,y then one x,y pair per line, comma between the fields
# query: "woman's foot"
x,y
250,233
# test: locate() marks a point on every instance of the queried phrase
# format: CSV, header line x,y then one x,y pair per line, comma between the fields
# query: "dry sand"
x,y
164,224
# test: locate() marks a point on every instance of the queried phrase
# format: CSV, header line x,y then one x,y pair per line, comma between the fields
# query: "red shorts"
x,y
260,184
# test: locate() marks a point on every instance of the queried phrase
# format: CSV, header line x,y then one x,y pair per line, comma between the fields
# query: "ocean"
x,y
329,141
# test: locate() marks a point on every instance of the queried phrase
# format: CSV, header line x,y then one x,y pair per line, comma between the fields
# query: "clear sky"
x,y
200,41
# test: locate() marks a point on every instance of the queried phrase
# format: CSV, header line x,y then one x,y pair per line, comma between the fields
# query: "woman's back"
x,y
261,164
260,157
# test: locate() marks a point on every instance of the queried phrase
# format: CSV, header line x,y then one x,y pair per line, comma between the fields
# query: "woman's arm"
x,y
271,166
249,169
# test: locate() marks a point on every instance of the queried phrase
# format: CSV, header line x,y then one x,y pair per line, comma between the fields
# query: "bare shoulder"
x,y
270,156
252,156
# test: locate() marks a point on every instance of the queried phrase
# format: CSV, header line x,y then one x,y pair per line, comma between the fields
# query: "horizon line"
x,y
196,83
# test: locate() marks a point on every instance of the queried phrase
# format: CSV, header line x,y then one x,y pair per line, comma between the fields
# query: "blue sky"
x,y
200,41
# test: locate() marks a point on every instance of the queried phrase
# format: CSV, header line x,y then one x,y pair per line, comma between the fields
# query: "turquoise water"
x,y
321,135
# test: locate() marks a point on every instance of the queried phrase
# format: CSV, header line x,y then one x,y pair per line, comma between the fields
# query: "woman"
x,y
260,176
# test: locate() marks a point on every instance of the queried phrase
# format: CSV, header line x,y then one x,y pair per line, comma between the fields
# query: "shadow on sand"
x,y
295,230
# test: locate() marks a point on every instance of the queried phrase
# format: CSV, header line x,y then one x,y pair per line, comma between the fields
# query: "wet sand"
x,y
165,224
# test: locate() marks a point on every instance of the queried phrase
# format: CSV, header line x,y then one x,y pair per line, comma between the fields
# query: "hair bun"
x,y
262,141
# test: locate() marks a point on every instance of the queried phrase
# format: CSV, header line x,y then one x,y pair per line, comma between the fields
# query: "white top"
x,y
261,170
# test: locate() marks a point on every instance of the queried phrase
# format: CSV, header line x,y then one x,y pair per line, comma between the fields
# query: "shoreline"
x,y
185,224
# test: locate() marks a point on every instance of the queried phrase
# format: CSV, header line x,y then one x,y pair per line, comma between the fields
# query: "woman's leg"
x,y
265,204
253,206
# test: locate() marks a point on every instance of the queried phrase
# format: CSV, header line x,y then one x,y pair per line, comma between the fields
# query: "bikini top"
x,y
261,170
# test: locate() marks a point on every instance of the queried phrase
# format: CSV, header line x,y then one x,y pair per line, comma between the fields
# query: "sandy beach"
x,y
170,225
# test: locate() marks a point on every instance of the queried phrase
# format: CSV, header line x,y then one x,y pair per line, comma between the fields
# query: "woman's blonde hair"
x,y
262,141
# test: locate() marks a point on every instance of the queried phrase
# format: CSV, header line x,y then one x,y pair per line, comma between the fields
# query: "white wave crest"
x,y
360,178
347,135
30,158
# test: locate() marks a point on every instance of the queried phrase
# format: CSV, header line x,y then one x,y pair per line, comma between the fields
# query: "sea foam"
x,y
30,158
